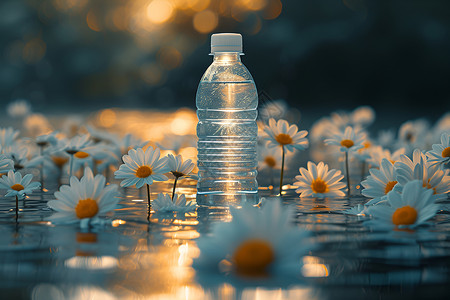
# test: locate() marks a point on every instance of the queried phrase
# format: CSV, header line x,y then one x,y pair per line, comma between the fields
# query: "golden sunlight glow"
x,y
34,50
159,11
273,10
254,4
185,122
107,118
91,262
92,21
205,21
118,222
198,5
313,268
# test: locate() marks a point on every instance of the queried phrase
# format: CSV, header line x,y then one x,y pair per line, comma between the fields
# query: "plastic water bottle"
x,y
227,104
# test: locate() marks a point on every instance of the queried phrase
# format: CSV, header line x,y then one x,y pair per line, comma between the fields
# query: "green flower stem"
x,y
41,170
282,169
347,174
71,166
17,208
148,198
174,186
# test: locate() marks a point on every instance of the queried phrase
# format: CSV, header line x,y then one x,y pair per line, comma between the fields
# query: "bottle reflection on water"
x,y
227,104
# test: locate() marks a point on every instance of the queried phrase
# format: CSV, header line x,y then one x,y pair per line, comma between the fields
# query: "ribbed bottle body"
x,y
227,104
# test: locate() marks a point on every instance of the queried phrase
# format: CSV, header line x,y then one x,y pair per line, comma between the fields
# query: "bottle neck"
x,y
227,57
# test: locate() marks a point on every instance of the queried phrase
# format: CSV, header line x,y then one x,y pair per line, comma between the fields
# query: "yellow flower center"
x,y
389,186
446,152
347,143
144,171
405,215
283,139
428,186
60,161
392,161
253,257
87,208
270,161
17,187
319,186
177,174
81,154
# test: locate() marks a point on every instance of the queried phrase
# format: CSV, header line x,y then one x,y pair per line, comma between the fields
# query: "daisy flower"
x,y
142,167
8,137
76,147
6,164
412,135
318,181
78,144
362,116
386,138
37,124
287,136
84,200
18,186
165,203
273,109
179,168
377,154
441,152
380,181
47,139
407,210
256,242
420,169
349,140
268,158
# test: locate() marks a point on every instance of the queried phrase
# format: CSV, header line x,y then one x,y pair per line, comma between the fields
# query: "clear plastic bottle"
x,y
227,104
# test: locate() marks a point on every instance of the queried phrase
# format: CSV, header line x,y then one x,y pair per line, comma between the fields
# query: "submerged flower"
x,y
179,168
411,208
380,181
282,134
349,140
320,182
83,200
18,186
164,203
142,167
257,242
441,152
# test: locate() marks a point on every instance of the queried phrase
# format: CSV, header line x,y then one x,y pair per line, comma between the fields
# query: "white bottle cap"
x,y
226,42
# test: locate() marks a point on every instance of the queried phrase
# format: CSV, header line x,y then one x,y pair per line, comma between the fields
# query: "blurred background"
x,y
319,56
